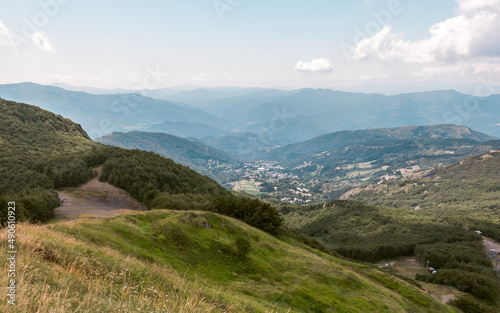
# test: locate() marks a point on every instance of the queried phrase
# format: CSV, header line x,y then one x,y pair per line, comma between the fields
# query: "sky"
x,y
352,44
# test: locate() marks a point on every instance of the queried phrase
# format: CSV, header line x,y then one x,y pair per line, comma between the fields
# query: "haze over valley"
x,y
250,156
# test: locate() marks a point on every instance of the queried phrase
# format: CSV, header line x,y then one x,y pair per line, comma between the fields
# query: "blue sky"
x,y
288,44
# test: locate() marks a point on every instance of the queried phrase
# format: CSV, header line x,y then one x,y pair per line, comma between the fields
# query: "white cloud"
x,y
366,77
39,38
5,35
470,34
459,69
479,68
42,41
468,7
315,65
62,78
200,78
96,79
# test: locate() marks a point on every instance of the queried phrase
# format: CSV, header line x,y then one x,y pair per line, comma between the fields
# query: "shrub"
x,y
243,247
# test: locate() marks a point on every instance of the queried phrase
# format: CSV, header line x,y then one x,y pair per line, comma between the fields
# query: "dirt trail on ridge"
x,y
96,199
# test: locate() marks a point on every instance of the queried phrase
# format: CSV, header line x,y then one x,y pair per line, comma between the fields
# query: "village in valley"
x,y
301,185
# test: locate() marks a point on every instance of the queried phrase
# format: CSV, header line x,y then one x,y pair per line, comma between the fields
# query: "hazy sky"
x,y
280,43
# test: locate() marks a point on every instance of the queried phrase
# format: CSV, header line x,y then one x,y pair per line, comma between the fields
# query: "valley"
x,y
207,227
325,166
232,156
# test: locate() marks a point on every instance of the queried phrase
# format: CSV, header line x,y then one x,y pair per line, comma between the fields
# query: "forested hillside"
x,y
25,130
407,142
485,166
35,158
369,233
46,151
199,157
51,152
454,200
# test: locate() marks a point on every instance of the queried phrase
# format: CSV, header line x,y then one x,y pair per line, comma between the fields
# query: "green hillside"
x,y
466,193
461,197
383,141
369,233
26,130
201,158
35,157
166,261
210,251
42,151
477,167
339,161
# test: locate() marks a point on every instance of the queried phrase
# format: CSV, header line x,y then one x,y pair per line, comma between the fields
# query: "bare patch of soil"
x,y
96,199
409,267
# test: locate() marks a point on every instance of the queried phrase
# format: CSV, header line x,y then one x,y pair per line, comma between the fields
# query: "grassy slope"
x,y
165,261
486,166
465,194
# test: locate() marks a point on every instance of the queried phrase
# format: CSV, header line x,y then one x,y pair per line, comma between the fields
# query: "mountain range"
x,y
199,157
103,114
368,145
275,116
200,248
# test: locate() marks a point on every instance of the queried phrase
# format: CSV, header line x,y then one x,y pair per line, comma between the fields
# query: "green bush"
x,y
470,305
243,247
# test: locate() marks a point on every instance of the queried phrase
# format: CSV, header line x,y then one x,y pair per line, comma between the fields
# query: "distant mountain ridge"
x,y
103,114
179,149
326,111
186,129
199,157
277,117
336,140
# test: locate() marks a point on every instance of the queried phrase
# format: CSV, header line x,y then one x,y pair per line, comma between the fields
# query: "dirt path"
x,y
96,199
409,267
490,244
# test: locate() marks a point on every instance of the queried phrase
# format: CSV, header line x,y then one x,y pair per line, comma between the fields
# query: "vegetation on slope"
x,y
26,130
29,138
161,183
486,166
170,261
46,152
360,231
466,196
199,157
369,233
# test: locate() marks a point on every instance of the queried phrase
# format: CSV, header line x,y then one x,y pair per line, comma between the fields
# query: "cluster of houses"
x,y
266,168
295,200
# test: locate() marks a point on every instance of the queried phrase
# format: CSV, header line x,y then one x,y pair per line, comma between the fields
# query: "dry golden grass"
x,y
56,274
126,264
